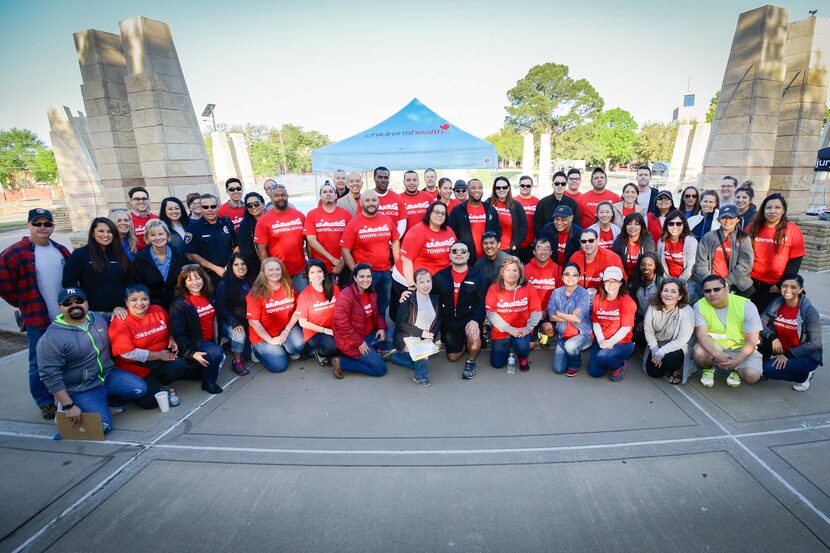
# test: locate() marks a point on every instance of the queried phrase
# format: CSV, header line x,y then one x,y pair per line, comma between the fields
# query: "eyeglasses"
x,y
588,240
570,274
459,190
502,187
525,186
575,178
557,183
73,301
140,199
458,251
211,206
439,212
714,290
675,223
234,189
690,196
253,204
47,224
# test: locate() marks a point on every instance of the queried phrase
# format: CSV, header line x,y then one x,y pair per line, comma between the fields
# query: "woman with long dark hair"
x,y
633,240
254,208
315,311
689,201
668,327
645,280
779,248
230,301
158,265
628,205
743,200
445,194
173,213
101,268
511,216
663,204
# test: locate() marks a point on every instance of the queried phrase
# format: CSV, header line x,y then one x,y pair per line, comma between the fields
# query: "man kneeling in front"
x,y
75,363
728,331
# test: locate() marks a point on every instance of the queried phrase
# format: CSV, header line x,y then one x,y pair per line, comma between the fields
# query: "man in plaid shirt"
x,y
30,279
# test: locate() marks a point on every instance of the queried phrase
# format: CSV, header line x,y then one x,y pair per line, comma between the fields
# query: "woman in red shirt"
x,y
315,311
271,304
511,216
613,319
633,241
445,194
779,248
192,321
141,344
606,230
677,250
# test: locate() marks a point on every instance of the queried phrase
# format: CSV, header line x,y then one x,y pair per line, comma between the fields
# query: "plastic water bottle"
x,y
511,364
174,398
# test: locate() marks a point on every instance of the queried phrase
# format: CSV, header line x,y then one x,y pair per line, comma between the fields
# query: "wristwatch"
x,y
69,406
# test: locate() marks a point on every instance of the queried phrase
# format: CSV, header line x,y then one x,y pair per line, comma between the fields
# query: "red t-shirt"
x,y
588,203
478,224
415,206
274,313
591,272
457,279
630,261
432,193
655,226
530,211
769,265
283,235
786,326
544,279
561,246
628,210
149,332
720,263
313,306
451,205
426,248
368,238
506,220
206,313
328,229
514,306
391,205
574,195
614,314
235,214
606,238
138,225
675,260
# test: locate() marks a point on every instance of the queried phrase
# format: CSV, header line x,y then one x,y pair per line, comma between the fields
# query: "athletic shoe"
x,y
294,356
48,411
116,409
524,366
707,379
322,360
804,386
571,372
469,369
239,369
422,382
733,380
618,374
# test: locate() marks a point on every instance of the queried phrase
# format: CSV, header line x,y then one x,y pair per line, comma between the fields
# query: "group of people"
x,y
362,277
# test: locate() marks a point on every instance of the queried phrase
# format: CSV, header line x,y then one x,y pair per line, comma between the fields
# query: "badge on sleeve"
x,y
188,236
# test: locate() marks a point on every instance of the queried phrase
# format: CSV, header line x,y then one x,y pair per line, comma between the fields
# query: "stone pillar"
x,y
680,154
223,166
528,155
544,163
103,66
802,110
242,160
171,151
743,136
81,183
697,151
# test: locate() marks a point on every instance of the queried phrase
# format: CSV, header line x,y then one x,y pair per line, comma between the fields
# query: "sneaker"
x,y
707,379
469,369
733,380
617,374
800,386
571,372
422,382
524,366
239,369
294,356
322,360
386,353
116,410
48,411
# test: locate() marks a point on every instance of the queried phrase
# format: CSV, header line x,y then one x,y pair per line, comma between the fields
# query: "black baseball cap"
x,y
563,211
67,293
40,213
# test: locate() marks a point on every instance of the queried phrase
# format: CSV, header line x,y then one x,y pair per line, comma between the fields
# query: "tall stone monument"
x,y
223,164
242,160
528,155
544,163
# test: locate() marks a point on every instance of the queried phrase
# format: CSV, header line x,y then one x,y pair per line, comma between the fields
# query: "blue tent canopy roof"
x,y
414,138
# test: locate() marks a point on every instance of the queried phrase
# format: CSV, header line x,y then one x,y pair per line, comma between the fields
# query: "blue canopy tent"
x,y
414,138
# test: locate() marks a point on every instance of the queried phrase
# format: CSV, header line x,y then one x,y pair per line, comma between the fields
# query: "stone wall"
x,y
816,243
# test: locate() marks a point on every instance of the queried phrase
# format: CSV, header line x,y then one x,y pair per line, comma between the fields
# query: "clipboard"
x,y
91,427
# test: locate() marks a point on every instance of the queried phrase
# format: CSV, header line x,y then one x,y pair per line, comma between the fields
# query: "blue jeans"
x,y
239,340
122,386
568,353
37,388
215,357
322,344
300,282
604,359
796,369
275,358
421,367
382,283
371,364
500,349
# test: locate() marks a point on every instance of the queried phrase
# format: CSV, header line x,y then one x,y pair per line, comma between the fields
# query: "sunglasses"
x,y
525,186
714,290
690,196
675,223
253,204
459,190
663,199
234,190
560,183
502,187
140,199
211,206
588,240
47,224
73,301
458,252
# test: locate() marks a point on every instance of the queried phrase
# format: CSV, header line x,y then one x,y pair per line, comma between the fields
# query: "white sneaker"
x,y
804,386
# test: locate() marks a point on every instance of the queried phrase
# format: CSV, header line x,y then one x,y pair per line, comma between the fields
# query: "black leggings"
x,y
672,362
164,373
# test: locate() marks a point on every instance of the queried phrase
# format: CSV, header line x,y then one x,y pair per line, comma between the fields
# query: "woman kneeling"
x,y
613,316
418,317
668,327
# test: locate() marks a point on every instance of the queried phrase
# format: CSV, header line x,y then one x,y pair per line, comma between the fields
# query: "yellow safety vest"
x,y
732,336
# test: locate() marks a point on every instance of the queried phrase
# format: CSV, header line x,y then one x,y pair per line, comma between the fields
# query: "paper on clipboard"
x,y
91,427
420,348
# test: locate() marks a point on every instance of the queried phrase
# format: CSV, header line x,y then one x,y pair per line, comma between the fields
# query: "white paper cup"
x,y
164,401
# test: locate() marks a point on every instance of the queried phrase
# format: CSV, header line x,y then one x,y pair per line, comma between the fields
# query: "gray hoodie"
x,y
74,358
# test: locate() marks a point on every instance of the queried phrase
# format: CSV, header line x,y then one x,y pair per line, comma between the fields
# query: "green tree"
x,y
580,143
287,149
509,145
713,107
616,133
655,142
548,100
24,159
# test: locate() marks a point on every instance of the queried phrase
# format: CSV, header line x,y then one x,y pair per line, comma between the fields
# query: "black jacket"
x,y
185,327
408,314
545,209
571,246
245,241
460,224
620,246
519,225
144,271
470,298
230,302
104,289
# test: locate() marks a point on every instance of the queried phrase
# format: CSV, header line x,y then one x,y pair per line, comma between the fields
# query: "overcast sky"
x,y
340,67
